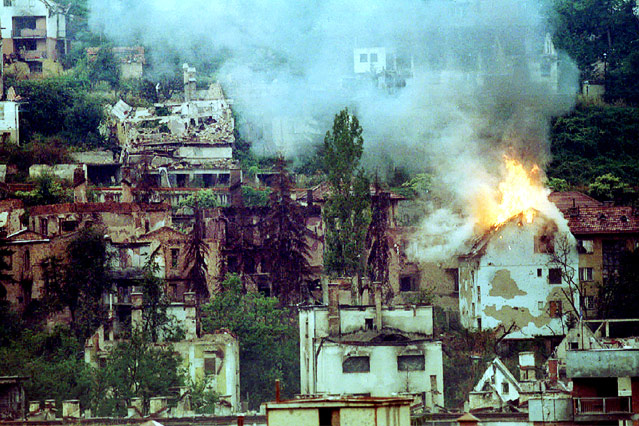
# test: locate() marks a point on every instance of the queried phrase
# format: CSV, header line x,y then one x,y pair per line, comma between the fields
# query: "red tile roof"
x,y
566,200
603,220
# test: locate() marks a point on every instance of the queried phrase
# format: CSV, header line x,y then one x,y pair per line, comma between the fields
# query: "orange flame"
x,y
520,192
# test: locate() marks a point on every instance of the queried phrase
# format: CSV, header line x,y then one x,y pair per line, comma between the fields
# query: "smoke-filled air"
x,y
456,88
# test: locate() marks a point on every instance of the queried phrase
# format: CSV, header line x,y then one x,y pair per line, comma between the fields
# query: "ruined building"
x,y
33,31
370,350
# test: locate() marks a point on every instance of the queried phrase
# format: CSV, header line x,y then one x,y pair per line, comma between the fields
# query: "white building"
x,y
33,31
370,59
369,350
509,280
496,388
344,411
9,122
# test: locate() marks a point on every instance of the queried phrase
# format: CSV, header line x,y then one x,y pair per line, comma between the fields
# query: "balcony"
x,y
29,33
591,409
33,55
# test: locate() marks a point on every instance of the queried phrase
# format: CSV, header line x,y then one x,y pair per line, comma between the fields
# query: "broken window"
x,y
175,258
453,273
585,246
409,283
373,57
505,387
585,274
363,57
69,225
555,309
573,346
554,276
368,323
356,364
8,3
539,272
589,302
545,243
209,363
411,363
44,226
328,416
181,180
223,178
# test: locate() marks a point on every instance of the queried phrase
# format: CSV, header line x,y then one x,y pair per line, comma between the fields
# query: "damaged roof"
x,y
107,207
567,200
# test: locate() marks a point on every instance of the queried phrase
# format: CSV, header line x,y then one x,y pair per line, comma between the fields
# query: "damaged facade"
x,y
510,280
34,31
212,358
370,350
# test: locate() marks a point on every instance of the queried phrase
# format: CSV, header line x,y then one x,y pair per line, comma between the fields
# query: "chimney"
x,y
79,185
553,369
333,309
377,288
527,367
189,82
127,192
235,188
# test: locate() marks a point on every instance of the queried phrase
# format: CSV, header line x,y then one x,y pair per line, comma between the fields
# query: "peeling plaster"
x,y
520,316
503,285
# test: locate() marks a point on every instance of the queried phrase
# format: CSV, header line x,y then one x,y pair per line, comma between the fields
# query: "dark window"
x,y
231,264
409,283
505,387
554,276
328,416
356,364
573,346
35,67
373,57
175,258
8,3
368,322
539,272
44,226
585,246
453,273
363,57
181,180
209,365
411,363
69,225
224,178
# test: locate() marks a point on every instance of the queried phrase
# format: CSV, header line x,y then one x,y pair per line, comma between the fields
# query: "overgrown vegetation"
x,y
268,336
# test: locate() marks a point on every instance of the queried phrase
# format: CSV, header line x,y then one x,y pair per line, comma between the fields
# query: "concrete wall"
x,y
550,409
9,120
603,363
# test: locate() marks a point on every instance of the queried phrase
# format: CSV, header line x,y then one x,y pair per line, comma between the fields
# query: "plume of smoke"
x,y
475,91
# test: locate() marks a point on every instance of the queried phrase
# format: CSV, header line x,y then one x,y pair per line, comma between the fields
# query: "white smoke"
x,y
477,89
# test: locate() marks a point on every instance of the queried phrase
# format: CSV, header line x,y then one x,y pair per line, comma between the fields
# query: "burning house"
x,y
516,277
371,350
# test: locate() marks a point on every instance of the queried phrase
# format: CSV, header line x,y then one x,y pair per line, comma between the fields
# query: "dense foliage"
x,y
595,140
347,209
268,336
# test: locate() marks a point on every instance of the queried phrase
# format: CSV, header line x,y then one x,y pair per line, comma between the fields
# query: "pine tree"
x,y
284,234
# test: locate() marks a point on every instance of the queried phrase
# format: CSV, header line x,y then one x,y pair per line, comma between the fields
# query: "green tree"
x,y
47,190
205,199
607,187
377,243
104,67
157,324
346,212
285,247
268,336
135,368
558,184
